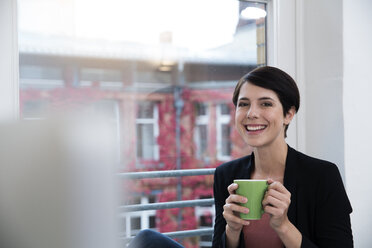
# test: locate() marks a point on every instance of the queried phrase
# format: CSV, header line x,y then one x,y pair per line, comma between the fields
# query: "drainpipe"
x,y
179,103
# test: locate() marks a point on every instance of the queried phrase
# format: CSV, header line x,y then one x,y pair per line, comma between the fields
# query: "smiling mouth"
x,y
254,128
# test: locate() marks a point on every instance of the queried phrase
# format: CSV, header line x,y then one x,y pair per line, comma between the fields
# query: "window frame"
x,y
201,120
155,122
221,119
143,215
9,62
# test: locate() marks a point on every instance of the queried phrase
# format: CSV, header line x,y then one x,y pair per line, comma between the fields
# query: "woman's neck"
x,y
270,162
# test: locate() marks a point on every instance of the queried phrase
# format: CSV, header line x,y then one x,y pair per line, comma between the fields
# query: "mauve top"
x,y
259,234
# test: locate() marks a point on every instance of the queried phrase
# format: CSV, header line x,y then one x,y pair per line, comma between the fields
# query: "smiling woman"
x,y
299,204
259,112
286,93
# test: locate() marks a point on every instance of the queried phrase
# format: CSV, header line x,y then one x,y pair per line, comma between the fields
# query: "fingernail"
x,y
246,210
245,200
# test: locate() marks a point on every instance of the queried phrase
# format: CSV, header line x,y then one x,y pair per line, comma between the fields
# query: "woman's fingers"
x,y
274,211
236,198
276,203
231,215
277,186
233,220
271,201
235,208
232,208
232,187
275,197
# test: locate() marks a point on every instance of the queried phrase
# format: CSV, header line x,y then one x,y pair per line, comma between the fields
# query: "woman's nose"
x,y
252,112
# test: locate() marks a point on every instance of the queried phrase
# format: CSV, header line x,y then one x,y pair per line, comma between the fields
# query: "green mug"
x,y
254,191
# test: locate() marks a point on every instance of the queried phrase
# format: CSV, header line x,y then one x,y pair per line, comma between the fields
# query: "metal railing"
x,y
173,204
166,173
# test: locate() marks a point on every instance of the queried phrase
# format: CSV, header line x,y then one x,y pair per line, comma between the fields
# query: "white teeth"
x,y
255,128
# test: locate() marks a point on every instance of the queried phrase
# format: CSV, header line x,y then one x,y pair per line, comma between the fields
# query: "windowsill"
x,y
149,164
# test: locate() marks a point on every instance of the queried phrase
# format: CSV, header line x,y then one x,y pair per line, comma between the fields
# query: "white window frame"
x,y
221,119
143,215
201,120
285,50
9,72
155,122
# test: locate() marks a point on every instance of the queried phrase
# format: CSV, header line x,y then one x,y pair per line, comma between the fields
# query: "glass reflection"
x,y
162,72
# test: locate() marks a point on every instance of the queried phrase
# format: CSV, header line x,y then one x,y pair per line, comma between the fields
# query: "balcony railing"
x,y
173,204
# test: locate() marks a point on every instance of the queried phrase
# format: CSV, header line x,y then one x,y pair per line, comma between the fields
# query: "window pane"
x,y
40,72
201,140
145,141
152,222
145,110
135,223
201,109
35,109
119,58
98,74
225,110
226,143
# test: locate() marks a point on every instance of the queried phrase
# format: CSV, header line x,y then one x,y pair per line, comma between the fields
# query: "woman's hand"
x,y
276,203
232,209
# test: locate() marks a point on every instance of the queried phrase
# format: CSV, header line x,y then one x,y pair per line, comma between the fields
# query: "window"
x,y
69,57
40,76
107,78
34,109
108,111
147,131
205,217
223,132
137,221
201,130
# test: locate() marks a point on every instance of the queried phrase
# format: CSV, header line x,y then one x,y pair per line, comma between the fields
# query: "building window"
x,y
108,79
205,216
34,109
109,110
40,77
201,130
223,132
140,220
147,131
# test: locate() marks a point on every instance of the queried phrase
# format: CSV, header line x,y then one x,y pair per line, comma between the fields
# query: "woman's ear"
x,y
289,115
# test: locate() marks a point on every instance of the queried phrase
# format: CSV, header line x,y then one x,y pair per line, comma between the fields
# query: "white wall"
x,y
358,115
323,71
334,42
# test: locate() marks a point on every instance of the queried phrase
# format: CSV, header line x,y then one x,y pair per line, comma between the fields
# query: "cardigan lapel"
x,y
290,182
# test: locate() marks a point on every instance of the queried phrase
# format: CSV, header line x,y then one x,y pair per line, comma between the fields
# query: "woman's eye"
x,y
267,104
242,104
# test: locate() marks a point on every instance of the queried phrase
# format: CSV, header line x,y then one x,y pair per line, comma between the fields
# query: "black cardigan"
x,y
320,208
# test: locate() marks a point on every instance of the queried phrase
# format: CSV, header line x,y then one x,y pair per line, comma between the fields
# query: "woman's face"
x,y
259,116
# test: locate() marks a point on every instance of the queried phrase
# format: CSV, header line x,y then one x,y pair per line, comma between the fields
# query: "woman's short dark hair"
x,y
274,79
